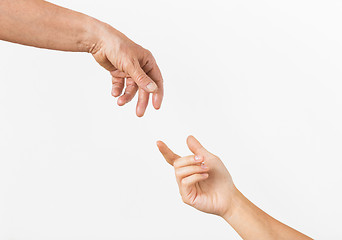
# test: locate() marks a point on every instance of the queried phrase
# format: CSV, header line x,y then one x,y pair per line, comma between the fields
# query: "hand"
x,y
203,180
125,60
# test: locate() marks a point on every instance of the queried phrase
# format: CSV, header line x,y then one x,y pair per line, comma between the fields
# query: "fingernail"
x,y
205,174
151,86
198,159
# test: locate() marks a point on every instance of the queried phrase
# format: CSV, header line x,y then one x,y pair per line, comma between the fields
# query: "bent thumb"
x,y
141,78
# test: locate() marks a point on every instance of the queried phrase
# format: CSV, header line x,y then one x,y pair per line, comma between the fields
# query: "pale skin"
x,y
205,184
42,24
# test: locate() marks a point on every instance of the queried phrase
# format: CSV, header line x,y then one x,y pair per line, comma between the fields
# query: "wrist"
x,y
98,34
90,40
235,203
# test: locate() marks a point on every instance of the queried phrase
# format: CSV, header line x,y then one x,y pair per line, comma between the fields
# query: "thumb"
x,y
169,156
141,78
194,145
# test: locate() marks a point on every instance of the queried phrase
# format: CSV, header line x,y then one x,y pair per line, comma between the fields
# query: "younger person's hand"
x,y
203,180
205,184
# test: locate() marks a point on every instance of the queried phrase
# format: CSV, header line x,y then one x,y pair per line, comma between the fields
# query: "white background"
x,y
258,82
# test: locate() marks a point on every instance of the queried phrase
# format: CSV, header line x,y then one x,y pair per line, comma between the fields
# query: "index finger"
x,y
167,153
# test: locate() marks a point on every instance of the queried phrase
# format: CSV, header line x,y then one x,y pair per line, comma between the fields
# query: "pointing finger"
x,y
168,154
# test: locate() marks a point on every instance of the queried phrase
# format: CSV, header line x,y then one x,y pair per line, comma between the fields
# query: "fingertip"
x,y
189,138
140,111
156,107
159,143
194,145
198,158
139,114
121,102
156,102
161,146
205,175
115,93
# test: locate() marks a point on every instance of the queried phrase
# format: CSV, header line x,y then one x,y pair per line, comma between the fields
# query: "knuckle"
x,y
177,173
148,53
120,64
128,99
140,78
149,56
126,63
130,82
118,74
151,62
148,60
117,84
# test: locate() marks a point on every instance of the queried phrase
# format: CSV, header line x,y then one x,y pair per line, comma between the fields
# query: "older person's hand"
x,y
42,24
131,65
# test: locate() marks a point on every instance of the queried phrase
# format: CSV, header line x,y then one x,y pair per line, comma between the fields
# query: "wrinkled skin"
x,y
130,66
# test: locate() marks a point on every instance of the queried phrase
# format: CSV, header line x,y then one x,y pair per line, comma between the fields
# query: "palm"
x,y
203,198
207,195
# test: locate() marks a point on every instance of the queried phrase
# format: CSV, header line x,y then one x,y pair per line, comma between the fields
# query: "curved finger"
x,y
130,91
143,97
117,86
187,161
184,172
193,179
167,153
140,77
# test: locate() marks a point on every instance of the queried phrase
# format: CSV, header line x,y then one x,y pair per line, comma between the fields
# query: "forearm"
x,y
42,24
252,223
